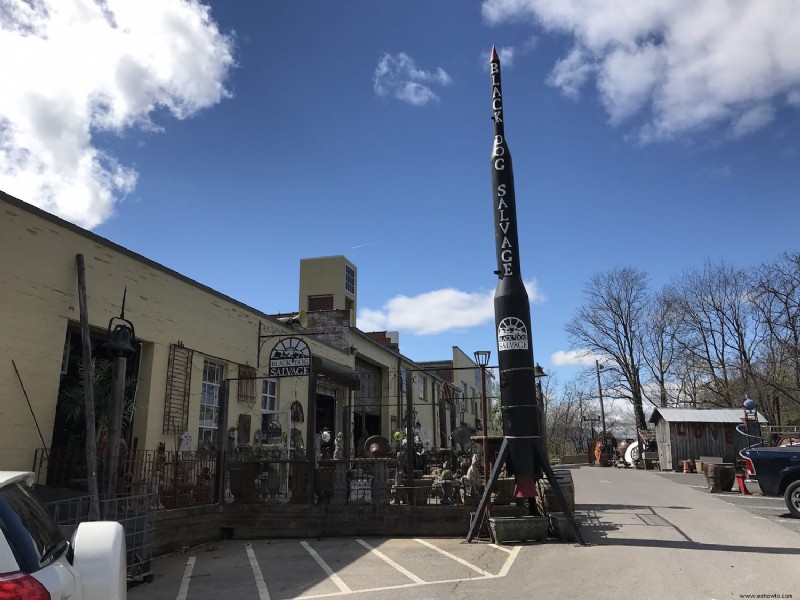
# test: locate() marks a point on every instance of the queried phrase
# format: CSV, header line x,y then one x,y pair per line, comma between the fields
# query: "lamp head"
x,y
120,338
482,357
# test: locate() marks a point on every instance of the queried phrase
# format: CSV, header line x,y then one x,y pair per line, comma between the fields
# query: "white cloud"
x,y
398,77
575,358
74,68
436,311
507,54
682,67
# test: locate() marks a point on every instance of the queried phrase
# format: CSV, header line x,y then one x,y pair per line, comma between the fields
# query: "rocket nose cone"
x,y
494,55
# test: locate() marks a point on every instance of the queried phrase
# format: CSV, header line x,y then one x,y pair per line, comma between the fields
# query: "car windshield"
x,y
33,536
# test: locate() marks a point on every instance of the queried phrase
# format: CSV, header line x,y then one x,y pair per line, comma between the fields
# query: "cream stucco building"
x,y
194,344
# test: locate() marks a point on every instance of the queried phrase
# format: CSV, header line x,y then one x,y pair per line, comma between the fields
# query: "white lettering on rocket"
x,y
512,334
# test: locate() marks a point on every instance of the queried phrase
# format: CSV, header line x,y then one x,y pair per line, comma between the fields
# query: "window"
x,y
403,376
269,395
316,303
349,279
422,384
269,402
35,539
473,401
247,385
209,403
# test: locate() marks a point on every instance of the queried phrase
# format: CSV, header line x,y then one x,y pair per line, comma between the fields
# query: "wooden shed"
x,y
683,433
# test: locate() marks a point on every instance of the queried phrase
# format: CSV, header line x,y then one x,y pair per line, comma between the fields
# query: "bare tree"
x,y
717,330
564,425
776,297
610,322
661,350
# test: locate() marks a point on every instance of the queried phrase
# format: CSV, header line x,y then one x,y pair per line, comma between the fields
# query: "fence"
x,y
135,513
254,480
185,479
170,479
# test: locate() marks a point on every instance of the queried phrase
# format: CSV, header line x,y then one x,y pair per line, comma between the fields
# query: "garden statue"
x,y
420,455
186,442
338,447
472,480
326,444
446,482
398,489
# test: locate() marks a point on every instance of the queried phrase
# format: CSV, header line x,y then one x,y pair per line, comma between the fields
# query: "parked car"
x,y
38,563
778,472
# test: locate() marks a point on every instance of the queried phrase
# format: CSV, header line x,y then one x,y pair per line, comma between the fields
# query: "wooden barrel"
x,y
550,500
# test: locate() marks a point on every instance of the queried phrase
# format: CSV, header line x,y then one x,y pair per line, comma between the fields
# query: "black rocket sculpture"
x,y
512,314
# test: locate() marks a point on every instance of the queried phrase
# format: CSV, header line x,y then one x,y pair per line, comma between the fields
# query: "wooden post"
x,y
113,438
311,425
222,440
88,391
410,436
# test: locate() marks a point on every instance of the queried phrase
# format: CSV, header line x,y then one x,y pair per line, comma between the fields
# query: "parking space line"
x,y
187,576
394,587
331,575
263,593
496,547
509,561
454,557
390,562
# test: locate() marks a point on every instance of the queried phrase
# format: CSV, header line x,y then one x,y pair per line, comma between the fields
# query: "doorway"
x,y
326,412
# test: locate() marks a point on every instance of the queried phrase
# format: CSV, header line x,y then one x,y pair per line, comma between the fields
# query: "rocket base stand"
x,y
480,514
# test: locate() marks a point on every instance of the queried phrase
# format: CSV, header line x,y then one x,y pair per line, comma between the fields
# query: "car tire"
x,y
792,498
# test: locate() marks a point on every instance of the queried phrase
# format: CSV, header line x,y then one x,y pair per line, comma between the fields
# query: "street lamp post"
x,y
538,373
591,420
482,359
600,392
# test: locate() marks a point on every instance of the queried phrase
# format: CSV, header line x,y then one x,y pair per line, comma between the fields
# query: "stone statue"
x,y
186,442
472,479
326,443
338,448
446,482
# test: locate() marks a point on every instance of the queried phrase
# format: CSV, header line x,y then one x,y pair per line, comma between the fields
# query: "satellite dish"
x,y
377,446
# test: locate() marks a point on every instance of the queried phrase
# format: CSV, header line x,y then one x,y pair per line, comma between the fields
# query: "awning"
x,y
346,376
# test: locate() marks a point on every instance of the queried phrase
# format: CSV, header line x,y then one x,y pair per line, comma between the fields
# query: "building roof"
x,y
701,415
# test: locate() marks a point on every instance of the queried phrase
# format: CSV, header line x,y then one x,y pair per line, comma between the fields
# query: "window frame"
x,y
208,428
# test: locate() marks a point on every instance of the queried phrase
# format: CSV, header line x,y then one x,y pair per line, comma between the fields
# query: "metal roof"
x,y
701,415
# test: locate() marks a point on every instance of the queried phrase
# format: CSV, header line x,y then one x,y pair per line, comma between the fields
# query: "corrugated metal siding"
x,y
701,415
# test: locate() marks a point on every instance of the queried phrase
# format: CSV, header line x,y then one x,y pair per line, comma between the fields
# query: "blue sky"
x,y
230,139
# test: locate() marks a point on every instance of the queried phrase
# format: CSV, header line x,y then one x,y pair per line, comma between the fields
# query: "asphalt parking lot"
x,y
266,569
770,508
658,535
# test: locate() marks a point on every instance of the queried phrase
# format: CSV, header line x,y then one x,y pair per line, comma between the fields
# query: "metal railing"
x,y
135,513
184,479
169,479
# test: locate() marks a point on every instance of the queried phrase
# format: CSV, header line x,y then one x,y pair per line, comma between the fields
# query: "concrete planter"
x,y
561,528
517,529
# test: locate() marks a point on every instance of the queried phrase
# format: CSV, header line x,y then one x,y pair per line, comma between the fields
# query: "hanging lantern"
x,y
120,340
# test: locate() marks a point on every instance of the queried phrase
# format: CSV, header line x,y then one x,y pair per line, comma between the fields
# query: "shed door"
x,y
665,455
